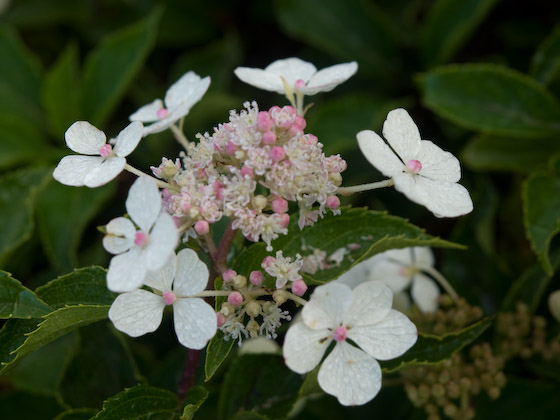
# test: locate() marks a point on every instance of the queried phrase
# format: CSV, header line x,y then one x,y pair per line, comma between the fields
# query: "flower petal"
x,y
379,154
186,91
105,172
370,303
192,274
438,164
389,269
328,78
195,322
386,339
126,271
72,170
425,293
84,138
292,69
350,375
162,279
444,199
423,255
162,241
128,139
143,202
326,306
359,273
120,235
260,79
137,313
304,348
402,134
147,113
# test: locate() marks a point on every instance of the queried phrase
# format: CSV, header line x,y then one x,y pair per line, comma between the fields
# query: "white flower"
x,y
364,315
179,99
143,250
101,162
299,75
139,312
420,170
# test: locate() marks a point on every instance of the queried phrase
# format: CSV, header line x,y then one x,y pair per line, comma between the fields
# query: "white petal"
x,y
357,274
554,304
137,313
425,293
371,301
423,255
161,243
445,199
350,375
328,78
195,322
72,170
147,113
126,271
120,235
105,172
326,306
162,279
408,184
143,202
304,348
192,274
438,164
390,271
186,91
84,138
260,79
128,139
379,154
386,339
158,126
402,134
292,69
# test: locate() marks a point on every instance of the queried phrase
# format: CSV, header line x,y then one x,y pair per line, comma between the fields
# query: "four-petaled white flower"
x,y
99,162
420,170
299,75
143,250
139,312
363,315
178,101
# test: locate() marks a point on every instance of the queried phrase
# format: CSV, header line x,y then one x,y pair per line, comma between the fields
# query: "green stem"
x,y
365,187
440,279
159,182
180,137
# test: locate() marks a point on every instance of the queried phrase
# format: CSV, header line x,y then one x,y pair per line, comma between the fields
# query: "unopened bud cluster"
x,y
450,316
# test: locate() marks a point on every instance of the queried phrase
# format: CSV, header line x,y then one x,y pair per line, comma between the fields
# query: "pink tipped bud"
x,y
105,150
246,171
202,227
300,122
169,298
229,275
279,205
340,334
268,261
220,319
140,239
231,148
332,202
299,287
277,153
162,113
269,138
256,277
290,110
299,84
235,299
311,139
178,221
274,109
414,166
284,220
264,122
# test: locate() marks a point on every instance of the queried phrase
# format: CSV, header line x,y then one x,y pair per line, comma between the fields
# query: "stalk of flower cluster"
x,y
180,136
440,279
365,187
159,182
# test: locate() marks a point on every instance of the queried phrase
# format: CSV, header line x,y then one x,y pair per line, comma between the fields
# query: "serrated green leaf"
x,y
139,402
12,336
20,142
260,383
77,414
17,301
111,67
545,66
491,99
433,349
194,399
449,25
217,351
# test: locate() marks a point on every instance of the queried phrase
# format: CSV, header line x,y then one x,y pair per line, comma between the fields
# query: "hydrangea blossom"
x,y
299,75
363,315
139,312
420,170
98,162
141,250
178,101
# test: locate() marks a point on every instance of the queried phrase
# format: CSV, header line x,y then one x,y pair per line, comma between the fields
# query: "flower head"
x,y
420,170
98,162
178,101
363,315
142,250
139,312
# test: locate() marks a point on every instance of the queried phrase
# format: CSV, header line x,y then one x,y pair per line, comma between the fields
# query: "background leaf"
x,y
193,400
545,66
217,351
17,301
20,142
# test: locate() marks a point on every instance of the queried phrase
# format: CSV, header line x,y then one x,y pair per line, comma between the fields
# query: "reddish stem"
x,y
188,379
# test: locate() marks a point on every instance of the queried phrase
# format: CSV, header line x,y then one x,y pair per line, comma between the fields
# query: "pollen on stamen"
x,y
340,334
169,298
140,238
162,113
105,150
414,166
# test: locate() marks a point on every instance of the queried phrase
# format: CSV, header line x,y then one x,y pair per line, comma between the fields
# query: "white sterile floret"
x,y
147,248
139,312
420,170
299,75
363,315
178,101
98,162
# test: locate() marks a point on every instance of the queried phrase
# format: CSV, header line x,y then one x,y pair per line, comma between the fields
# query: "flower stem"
x,y
365,187
180,137
159,182
220,258
210,244
188,378
440,279
296,299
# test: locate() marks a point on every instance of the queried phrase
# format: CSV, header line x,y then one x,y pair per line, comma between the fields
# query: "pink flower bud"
x,y
264,122
105,150
220,319
169,298
279,205
284,220
300,122
202,227
277,153
162,113
340,334
414,166
332,202
246,171
299,287
229,275
268,261
274,109
140,239
235,298
269,138
312,139
231,148
256,277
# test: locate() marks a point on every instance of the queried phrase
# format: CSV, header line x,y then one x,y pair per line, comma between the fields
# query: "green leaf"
x,y
260,383
216,352
487,153
139,402
17,196
194,399
61,93
449,25
22,405
491,99
77,414
433,349
20,142
12,336
541,201
111,67
63,214
545,66
372,231
17,301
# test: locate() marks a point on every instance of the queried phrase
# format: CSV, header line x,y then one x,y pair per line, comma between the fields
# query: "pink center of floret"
x,y
414,166
105,150
169,298
340,334
162,113
299,84
140,238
